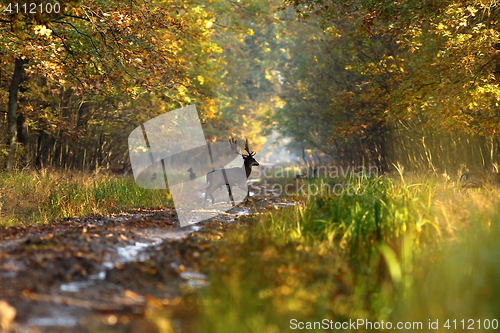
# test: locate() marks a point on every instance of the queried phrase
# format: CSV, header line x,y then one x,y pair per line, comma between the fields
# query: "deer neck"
x,y
248,168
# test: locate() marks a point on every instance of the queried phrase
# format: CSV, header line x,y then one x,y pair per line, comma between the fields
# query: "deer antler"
x,y
234,146
250,153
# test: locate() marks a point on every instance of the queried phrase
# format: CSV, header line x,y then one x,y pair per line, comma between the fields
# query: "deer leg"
x,y
208,192
205,199
212,199
248,195
230,198
244,187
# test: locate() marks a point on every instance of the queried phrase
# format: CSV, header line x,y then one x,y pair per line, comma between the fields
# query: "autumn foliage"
x,y
95,70
383,81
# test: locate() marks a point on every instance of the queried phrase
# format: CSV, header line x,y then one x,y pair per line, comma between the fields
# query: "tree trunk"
x,y
12,111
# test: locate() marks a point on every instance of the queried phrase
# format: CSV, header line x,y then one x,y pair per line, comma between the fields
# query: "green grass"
x,y
30,197
401,250
396,249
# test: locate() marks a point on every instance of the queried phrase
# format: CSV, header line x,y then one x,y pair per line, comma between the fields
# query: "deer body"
x,y
235,176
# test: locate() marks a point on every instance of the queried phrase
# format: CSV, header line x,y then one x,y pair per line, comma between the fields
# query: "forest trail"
x,y
104,272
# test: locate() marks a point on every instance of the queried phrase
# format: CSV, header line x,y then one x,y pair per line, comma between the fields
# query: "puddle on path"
x,y
53,318
194,280
135,238
76,286
11,267
56,320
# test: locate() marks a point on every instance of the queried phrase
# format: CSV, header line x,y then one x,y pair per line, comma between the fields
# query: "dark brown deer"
x,y
233,176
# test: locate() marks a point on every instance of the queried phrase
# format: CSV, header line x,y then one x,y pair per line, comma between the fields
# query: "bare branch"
x,y
81,33
77,17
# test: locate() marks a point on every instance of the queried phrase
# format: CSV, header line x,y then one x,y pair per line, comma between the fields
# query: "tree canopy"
x,y
93,71
374,82
372,76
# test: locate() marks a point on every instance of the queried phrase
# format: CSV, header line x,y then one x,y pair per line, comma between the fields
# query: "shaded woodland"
x,y
371,83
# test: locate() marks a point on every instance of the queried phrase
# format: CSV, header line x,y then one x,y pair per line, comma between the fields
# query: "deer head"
x,y
248,158
233,176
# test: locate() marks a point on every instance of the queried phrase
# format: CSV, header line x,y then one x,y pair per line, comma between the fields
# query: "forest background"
x,y
365,82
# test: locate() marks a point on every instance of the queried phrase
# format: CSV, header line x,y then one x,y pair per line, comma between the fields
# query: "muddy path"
x,y
104,272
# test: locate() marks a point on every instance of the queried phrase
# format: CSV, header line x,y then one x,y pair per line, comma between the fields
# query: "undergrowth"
x,y
402,250
31,197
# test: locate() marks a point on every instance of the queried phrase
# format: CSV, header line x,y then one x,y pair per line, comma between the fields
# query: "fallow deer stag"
x,y
233,176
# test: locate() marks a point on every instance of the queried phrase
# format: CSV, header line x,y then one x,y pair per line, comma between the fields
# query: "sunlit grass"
x,y
31,197
414,248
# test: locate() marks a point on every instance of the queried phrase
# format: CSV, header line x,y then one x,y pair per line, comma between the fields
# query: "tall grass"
x,y
30,197
400,250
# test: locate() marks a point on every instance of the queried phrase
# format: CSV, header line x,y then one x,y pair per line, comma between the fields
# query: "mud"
x,y
104,273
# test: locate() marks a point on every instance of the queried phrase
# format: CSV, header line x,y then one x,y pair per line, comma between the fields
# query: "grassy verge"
x,y
30,197
399,251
